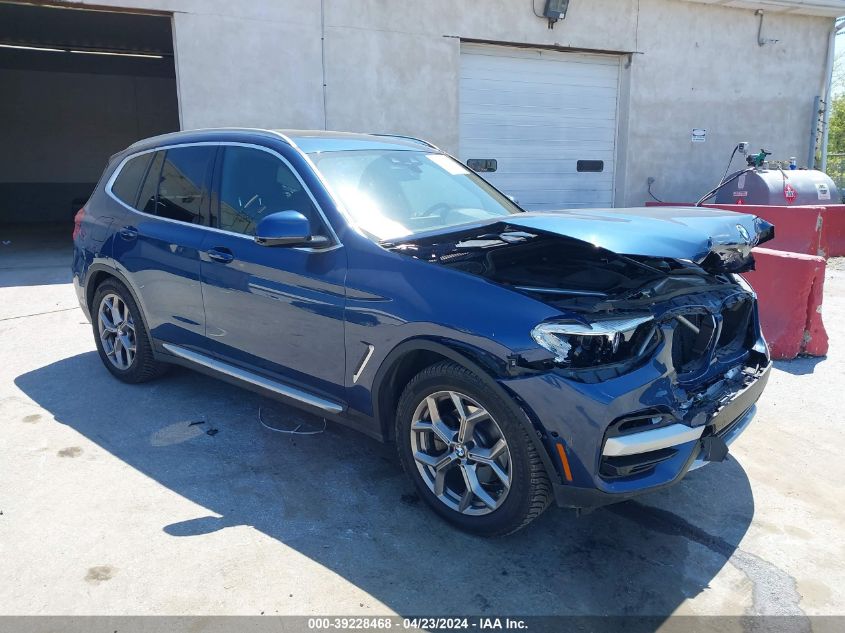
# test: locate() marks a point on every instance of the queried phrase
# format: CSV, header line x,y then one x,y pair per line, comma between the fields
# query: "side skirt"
x,y
285,391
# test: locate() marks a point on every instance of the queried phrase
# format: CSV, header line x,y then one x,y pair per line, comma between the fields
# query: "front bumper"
x,y
578,416
733,432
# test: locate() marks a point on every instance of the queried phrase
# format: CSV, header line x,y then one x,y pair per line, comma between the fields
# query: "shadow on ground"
x,y
341,499
800,366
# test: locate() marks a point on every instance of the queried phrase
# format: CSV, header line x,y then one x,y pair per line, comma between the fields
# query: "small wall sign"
x,y
699,135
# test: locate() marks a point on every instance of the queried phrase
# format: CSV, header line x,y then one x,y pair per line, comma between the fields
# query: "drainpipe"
x,y
834,31
323,61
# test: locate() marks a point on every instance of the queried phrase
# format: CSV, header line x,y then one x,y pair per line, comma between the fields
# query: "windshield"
x,y
394,193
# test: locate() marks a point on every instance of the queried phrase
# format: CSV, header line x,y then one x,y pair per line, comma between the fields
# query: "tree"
x,y
837,83
836,136
836,143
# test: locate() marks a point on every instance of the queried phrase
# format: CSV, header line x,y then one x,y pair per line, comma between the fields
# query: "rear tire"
x,y
121,335
468,454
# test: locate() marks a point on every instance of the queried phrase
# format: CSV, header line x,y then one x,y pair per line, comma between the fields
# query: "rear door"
x,y
158,237
276,310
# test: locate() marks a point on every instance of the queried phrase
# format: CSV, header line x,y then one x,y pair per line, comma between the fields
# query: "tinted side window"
x,y
149,190
128,181
182,191
254,184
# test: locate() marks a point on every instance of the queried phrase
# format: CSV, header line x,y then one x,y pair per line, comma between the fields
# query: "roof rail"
x,y
411,138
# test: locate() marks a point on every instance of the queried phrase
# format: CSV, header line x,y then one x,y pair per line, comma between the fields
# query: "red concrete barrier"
x,y
834,230
789,276
790,287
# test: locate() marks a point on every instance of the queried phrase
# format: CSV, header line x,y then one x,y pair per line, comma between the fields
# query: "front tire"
x,y
121,335
469,455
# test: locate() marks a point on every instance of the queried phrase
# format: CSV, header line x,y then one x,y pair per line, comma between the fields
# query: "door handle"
x,y
220,254
128,232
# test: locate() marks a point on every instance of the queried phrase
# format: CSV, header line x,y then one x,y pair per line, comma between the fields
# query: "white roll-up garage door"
x,y
548,118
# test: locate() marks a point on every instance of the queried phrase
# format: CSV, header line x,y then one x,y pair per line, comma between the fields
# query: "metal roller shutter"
x,y
538,113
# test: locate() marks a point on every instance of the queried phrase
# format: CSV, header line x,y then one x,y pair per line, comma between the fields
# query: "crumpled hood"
x,y
690,233
714,238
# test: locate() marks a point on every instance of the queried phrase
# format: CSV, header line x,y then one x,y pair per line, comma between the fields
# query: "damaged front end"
x,y
661,358
613,308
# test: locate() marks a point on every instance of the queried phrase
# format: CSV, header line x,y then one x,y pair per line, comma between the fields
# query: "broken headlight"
x,y
604,342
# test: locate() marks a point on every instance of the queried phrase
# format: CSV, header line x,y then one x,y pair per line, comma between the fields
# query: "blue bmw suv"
x,y
514,358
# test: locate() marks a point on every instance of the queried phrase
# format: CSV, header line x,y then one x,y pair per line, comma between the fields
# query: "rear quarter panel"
x,y
92,247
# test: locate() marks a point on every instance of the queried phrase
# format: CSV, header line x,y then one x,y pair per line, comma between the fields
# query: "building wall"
x,y
395,67
249,70
408,62
701,67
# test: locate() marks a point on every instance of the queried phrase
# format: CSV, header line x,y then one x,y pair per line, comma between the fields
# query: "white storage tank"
x,y
780,187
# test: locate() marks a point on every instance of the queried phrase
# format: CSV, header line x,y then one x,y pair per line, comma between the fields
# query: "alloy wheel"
x,y
461,453
117,331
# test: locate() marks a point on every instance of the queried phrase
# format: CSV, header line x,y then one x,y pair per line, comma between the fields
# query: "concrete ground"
x,y
112,502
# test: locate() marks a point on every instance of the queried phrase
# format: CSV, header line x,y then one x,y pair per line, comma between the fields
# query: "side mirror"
x,y
287,228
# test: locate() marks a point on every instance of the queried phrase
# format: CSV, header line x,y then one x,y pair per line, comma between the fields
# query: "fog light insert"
x,y
628,465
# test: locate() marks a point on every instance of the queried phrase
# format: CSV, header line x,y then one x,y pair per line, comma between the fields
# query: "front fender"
x,y
476,360
480,362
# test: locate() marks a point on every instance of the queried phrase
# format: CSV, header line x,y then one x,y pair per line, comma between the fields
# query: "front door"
x,y
277,310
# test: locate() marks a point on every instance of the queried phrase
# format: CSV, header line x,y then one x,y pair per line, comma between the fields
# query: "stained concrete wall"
x,y
253,71
395,67
702,67
388,68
